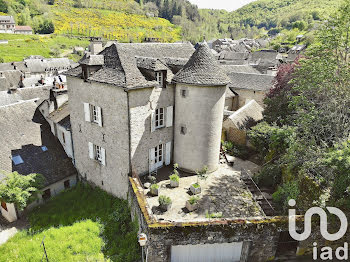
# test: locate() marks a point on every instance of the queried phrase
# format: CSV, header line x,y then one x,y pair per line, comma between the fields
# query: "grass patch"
x,y
21,46
82,224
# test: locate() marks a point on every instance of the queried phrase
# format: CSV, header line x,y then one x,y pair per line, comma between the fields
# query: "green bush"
x,y
240,151
164,200
284,193
174,177
196,185
154,186
269,176
193,200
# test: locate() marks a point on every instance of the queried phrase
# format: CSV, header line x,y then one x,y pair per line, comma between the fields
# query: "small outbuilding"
x,y
237,124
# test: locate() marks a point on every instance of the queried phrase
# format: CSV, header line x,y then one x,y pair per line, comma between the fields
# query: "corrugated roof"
x,y
202,69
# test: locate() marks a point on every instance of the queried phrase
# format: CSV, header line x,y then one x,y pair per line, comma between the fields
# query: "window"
x,y
47,194
159,117
63,138
183,130
97,153
93,113
183,92
159,78
66,184
17,160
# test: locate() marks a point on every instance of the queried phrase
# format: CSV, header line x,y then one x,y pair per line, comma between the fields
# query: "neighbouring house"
x,y
266,61
294,52
23,29
7,24
233,58
78,50
28,146
236,125
10,80
220,44
249,86
4,42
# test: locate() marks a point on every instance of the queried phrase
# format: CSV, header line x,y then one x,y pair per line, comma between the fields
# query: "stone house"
x,y
236,125
29,147
138,130
23,29
7,24
249,86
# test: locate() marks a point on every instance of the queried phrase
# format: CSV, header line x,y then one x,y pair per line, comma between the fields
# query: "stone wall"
x,y
112,136
142,102
245,96
259,236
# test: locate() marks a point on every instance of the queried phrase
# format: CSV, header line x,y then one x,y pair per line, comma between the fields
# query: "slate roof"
x,y
121,62
231,55
240,69
23,131
10,79
60,113
255,82
202,69
265,58
7,98
250,111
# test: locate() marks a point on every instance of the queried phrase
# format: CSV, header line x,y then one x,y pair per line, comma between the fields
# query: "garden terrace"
x,y
223,195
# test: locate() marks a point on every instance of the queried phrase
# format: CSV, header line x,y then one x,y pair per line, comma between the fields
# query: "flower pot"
x,y
195,190
191,207
165,208
174,183
154,191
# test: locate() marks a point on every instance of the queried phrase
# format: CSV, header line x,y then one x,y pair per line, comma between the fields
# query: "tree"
x,y
20,190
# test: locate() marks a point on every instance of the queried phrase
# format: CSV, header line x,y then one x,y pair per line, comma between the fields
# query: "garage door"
x,y
226,252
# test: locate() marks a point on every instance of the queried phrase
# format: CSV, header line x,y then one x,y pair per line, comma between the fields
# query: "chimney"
x,y
95,45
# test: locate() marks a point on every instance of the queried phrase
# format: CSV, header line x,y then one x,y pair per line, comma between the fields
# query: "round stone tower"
x,y
199,106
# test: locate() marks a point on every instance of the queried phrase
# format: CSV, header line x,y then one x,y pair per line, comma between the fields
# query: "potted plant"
x,y
164,203
174,177
154,189
196,188
192,203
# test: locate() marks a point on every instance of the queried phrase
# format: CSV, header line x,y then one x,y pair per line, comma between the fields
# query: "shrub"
x,y
174,177
154,186
270,176
193,200
284,193
196,185
164,200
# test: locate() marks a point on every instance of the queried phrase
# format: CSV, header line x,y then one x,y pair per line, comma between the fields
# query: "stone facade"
x,y
112,136
259,236
245,95
142,103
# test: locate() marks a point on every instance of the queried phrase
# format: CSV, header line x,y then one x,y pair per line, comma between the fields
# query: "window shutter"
x,y
99,113
169,116
151,160
153,121
91,150
167,153
87,112
103,153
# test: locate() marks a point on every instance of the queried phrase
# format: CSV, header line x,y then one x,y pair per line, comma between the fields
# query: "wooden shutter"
x,y
153,121
91,150
99,114
169,116
167,153
151,160
87,112
103,153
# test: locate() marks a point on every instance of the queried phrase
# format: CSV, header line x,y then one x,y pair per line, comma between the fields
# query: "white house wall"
x,y
67,144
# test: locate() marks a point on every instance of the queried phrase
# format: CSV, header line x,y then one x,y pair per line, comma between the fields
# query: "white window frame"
x,y
93,114
97,153
160,77
159,117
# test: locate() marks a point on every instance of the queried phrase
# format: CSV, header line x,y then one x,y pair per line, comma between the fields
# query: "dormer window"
x,y
161,77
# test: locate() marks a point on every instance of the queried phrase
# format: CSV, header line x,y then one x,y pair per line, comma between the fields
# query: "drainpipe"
x,y
129,131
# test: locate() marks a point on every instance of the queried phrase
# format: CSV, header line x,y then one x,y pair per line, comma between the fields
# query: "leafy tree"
x,y
19,189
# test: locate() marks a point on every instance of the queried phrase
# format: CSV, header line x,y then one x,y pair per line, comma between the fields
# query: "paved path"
x,y
8,230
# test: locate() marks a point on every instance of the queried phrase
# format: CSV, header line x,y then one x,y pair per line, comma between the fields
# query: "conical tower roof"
x,y
202,69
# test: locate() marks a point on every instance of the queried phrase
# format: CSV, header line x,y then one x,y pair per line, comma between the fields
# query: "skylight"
x,y
17,160
44,148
